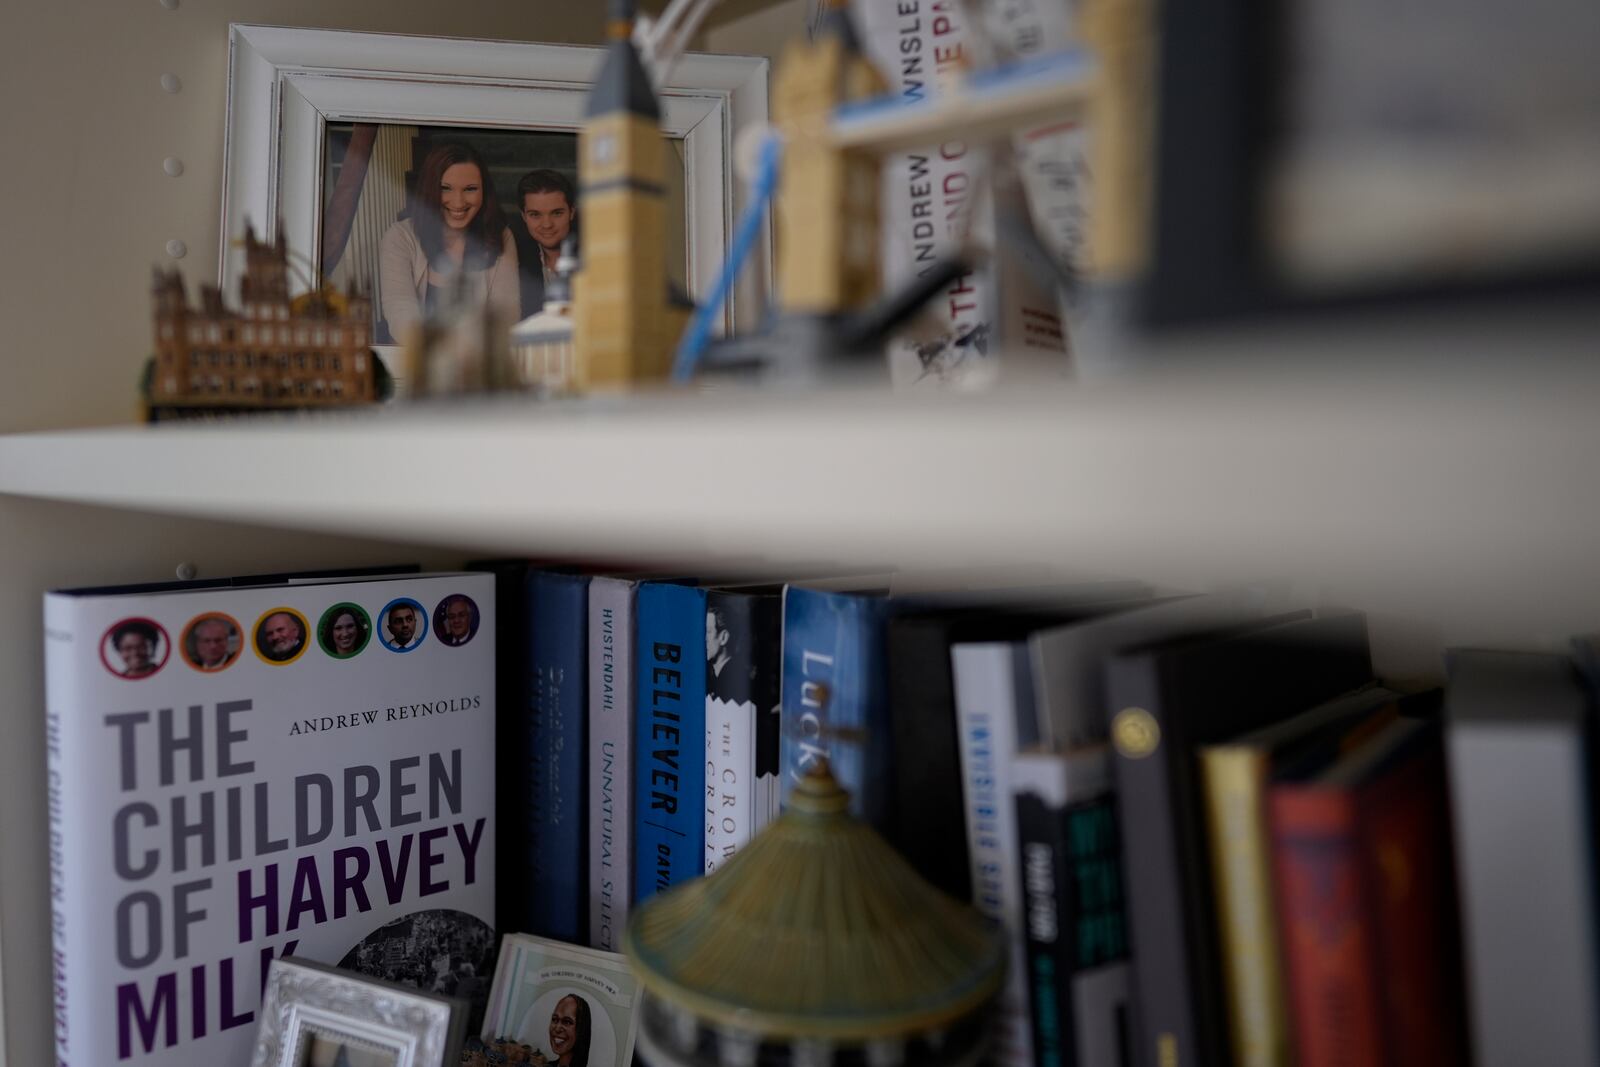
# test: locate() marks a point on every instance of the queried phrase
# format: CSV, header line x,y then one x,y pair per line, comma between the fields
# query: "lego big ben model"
x,y
625,324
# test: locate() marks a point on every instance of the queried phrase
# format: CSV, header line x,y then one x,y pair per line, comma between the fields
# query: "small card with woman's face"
x,y
557,1004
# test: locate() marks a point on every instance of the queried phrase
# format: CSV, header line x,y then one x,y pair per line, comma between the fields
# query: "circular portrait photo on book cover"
x,y
211,642
135,648
344,630
455,620
569,1025
402,624
281,636
440,951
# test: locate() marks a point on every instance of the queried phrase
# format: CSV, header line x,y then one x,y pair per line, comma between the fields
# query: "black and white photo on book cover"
x,y
282,785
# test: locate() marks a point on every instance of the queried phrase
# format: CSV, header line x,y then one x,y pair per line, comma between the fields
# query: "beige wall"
x,y
760,33
88,207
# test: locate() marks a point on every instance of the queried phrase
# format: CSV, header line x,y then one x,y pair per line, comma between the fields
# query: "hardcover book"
x,y
611,662
1069,861
744,658
1168,699
835,689
669,737
1521,744
1361,852
927,823
240,774
993,694
1235,775
513,894
553,782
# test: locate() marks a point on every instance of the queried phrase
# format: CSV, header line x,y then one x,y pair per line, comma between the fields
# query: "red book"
x,y
1362,862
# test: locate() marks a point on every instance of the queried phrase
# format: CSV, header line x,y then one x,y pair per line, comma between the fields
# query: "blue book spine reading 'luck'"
x,y
558,665
835,693
670,737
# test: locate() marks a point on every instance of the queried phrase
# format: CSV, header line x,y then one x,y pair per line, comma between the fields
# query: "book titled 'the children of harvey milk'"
x,y
238,774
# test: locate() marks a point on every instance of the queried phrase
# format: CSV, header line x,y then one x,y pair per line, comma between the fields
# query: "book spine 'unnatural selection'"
x,y
611,635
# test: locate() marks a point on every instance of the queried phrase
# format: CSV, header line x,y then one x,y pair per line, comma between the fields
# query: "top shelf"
x,y
1425,493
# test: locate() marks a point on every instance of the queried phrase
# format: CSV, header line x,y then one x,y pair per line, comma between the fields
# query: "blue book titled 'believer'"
x,y
670,740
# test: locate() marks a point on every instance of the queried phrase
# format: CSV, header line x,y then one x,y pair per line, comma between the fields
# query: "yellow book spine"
x,y
1234,781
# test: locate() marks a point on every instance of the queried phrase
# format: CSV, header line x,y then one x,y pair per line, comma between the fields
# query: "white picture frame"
x,y
378,1023
286,84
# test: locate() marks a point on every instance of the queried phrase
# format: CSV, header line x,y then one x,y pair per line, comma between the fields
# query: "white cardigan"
x,y
403,279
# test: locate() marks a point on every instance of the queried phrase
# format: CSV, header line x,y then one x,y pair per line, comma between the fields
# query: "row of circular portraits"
x,y
139,647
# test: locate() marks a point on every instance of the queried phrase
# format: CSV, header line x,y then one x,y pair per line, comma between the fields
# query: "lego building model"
x,y
835,125
625,321
541,355
275,354
827,217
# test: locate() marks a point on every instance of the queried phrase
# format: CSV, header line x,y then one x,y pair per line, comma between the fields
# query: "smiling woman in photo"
x,y
569,1034
456,234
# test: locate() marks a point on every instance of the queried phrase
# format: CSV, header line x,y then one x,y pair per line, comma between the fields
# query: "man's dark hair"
x,y
545,181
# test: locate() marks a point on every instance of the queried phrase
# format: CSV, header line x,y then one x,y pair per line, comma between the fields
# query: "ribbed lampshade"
x,y
817,930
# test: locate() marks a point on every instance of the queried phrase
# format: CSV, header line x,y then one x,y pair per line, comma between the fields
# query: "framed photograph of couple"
x,y
363,146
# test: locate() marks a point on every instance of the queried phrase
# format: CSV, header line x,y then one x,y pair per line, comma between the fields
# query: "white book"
x,y
993,689
611,638
238,774
730,778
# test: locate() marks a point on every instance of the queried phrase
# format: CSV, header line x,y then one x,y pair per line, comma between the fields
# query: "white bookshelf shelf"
x,y
1464,498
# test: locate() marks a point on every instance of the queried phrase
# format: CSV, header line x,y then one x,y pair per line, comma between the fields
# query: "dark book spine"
x,y
670,742
1070,863
1045,871
927,821
767,627
1163,908
1409,874
558,625
1327,935
513,873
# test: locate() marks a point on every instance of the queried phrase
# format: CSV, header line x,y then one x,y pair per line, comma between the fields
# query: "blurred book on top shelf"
x,y
1324,155
1408,154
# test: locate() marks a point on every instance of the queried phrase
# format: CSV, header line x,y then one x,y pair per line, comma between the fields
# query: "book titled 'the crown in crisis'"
x,y
245,772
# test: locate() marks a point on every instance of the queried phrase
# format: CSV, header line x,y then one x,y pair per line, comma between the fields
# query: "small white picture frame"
x,y
318,1016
